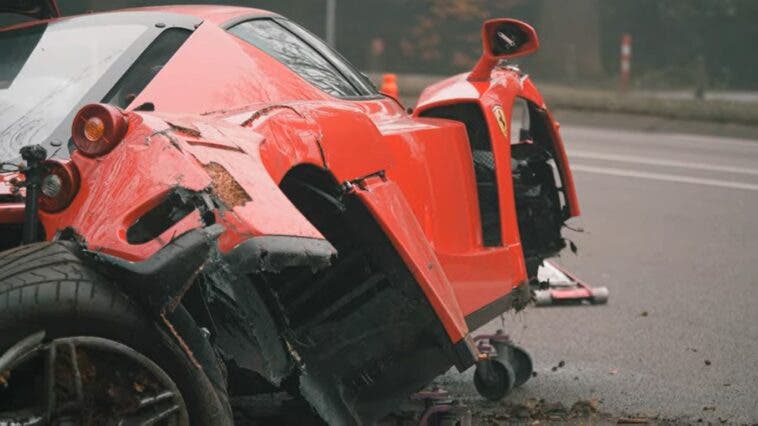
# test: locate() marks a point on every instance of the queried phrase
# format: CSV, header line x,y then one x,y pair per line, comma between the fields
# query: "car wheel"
x,y
74,349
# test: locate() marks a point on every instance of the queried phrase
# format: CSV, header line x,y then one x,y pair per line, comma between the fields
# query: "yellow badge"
x,y
500,117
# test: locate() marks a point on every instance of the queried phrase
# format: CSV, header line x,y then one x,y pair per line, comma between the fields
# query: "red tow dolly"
x,y
563,288
505,365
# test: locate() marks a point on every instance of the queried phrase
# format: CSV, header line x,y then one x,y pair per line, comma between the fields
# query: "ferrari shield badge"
x,y
497,110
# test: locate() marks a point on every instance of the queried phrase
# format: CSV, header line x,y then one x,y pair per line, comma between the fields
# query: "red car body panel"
x,y
388,205
508,84
481,275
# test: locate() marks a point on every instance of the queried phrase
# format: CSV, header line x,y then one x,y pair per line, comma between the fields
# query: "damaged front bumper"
x,y
179,220
352,364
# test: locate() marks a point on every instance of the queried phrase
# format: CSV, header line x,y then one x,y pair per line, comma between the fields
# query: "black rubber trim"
x,y
161,279
273,253
492,310
247,17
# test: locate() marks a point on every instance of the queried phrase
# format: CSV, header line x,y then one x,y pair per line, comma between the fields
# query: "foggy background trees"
x,y
673,40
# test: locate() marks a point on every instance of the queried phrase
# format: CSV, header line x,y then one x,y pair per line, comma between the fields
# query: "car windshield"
x,y
46,72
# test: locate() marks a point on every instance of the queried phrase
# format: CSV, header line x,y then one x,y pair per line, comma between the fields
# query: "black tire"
x,y
494,380
521,363
47,287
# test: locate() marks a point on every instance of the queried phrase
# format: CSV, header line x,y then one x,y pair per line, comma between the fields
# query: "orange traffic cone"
x,y
389,85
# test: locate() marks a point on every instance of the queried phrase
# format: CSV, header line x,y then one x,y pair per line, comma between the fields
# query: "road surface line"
x,y
655,162
602,135
663,177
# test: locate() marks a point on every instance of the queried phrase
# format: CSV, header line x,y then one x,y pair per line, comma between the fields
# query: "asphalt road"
x,y
671,228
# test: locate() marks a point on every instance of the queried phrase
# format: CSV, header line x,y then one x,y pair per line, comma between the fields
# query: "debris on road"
x,y
584,407
633,421
536,410
561,364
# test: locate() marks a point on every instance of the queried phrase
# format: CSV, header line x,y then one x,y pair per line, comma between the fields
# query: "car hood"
x,y
40,9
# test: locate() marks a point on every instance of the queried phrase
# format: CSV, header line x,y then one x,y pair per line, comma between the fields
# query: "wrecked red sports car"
x,y
201,204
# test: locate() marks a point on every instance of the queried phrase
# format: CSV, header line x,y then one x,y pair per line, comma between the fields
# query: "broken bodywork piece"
x,y
172,208
223,184
162,279
360,326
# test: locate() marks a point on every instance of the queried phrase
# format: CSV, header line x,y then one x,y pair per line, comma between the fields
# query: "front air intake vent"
x,y
175,206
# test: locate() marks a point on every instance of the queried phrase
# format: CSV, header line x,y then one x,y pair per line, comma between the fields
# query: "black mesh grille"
x,y
470,114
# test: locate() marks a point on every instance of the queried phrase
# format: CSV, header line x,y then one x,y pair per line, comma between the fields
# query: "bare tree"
x,y
570,39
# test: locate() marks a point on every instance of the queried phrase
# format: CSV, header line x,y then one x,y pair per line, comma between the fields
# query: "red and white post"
x,y
626,62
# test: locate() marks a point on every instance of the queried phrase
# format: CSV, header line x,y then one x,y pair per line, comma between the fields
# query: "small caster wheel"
x,y
494,379
543,298
521,363
517,358
599,295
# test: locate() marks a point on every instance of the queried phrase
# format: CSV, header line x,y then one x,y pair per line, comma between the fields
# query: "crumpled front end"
x,y
287,272
169,176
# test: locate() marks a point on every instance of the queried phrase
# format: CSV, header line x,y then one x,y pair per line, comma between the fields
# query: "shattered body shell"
x,y
231,122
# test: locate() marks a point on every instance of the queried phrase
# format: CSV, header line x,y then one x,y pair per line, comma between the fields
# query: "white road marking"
x,y
659,162
663,177
606,136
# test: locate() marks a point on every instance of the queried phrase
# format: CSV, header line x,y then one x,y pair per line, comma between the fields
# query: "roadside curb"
x,y
560,97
